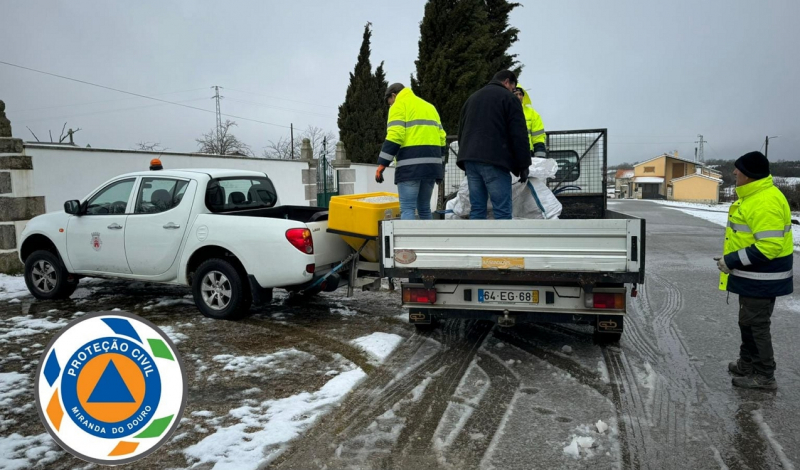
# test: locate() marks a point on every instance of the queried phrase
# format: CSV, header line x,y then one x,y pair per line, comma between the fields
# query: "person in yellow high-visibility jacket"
x,y
417,143
757,264
533,120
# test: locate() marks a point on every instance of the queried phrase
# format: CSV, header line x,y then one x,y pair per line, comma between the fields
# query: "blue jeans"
x,y
487,181
416,196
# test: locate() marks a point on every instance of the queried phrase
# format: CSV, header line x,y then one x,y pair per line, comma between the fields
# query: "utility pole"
x,y
291,136
701,142
219,117
766,144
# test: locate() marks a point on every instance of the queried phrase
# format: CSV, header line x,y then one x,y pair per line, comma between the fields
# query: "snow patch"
x,y
12,384
603,369
175,336
28,325
343,310
169,303
19,452
264,430
766,431
254,365
378,345
601,426
12,287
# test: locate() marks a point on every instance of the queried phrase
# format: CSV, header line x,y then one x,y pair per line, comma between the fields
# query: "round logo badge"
x,y
111,388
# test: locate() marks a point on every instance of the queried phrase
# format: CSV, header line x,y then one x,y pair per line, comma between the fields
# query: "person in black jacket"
x,y
493,143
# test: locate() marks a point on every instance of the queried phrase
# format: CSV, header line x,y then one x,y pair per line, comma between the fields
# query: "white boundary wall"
x,y
61,173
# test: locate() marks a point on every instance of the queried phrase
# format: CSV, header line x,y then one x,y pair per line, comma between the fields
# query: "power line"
x,y
103,111
137,94
281,108
103,101
284,99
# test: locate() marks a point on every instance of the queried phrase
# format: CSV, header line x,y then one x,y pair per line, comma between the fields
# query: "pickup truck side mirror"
x,y
72,207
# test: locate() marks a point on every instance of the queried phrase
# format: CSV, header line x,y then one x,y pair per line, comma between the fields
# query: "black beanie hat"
x,y
754,165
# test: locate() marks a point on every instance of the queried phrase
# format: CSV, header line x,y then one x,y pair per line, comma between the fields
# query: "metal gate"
x,y
327,183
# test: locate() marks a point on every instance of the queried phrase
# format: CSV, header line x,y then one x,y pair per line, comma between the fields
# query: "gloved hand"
x,y
721,265
523,176
379,174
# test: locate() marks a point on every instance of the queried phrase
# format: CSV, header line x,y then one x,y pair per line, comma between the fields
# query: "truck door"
x,y
96,239
156,227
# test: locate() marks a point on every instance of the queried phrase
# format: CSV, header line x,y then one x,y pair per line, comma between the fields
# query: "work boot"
x,y
755,381
740,368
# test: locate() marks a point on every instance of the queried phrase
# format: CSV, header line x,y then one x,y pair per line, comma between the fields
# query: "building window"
x,y
649,169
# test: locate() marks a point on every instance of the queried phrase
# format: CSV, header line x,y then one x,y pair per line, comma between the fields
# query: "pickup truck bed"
x,y
582,251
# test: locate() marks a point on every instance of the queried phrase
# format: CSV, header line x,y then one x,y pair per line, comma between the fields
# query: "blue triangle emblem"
x,y
111,388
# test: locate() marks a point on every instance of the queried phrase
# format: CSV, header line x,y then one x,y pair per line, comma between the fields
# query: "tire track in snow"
x,y
486,419
337,441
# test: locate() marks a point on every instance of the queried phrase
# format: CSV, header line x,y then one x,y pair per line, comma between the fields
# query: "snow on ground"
x,y
169,302
264,430
767,433
12,287
17,327
19,452
717,214
282,361
344,310
694,205
12,384
591,440
175,336
378,345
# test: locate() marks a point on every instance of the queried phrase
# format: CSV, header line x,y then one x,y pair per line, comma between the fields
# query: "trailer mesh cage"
x,y
582,157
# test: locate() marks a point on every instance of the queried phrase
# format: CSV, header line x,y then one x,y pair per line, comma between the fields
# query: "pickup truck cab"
x,y
222,232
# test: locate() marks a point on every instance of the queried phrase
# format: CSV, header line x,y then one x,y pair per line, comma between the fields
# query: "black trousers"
x,y
754,323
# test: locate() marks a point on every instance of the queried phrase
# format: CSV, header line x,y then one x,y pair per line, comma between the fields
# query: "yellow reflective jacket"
x,y
536,133
414,138
758,244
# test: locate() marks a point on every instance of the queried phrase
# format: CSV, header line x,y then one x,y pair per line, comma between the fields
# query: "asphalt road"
x,y
473,395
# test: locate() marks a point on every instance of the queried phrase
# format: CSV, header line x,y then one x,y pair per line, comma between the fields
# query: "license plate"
x,y
488,296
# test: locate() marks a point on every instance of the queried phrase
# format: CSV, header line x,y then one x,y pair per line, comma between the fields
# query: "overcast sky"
x,y
654,73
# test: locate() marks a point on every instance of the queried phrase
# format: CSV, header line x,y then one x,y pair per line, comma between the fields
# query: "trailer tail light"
x,y
301,239
603,300
419,295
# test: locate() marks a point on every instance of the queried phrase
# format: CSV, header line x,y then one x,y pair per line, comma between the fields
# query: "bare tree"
x,y
282,149
149,146
319,138
223,142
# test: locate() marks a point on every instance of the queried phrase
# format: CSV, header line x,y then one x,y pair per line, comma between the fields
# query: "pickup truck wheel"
x,y
47,278
219,291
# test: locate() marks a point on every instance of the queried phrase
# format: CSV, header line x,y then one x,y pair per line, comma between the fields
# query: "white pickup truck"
x,y
222,232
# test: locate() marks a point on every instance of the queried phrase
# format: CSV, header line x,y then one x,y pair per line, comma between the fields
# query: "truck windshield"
x,y
239,193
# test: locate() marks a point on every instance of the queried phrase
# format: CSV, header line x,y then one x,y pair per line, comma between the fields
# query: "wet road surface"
x,y
470,394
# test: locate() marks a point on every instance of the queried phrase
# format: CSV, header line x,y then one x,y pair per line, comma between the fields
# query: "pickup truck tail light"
x,y
301,239
604,300
419,295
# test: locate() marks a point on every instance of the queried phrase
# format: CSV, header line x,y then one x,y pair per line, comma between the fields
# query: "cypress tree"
x,y
463,43
505,36
362,116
